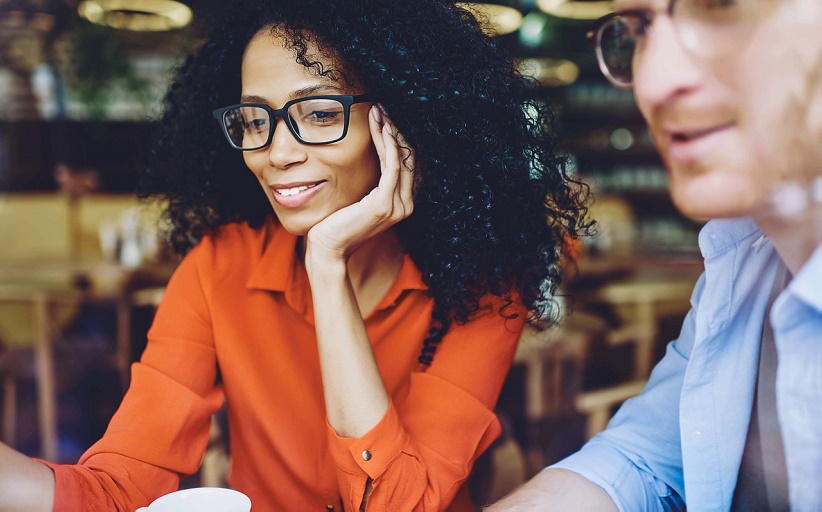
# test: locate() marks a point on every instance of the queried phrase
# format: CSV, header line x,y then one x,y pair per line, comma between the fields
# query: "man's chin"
x,y
703,207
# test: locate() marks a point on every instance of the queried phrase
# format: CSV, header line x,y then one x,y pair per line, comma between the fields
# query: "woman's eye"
x,y
257,125
324,116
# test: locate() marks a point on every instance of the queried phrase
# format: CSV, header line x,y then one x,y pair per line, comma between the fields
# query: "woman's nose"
x,y
663,69
284,150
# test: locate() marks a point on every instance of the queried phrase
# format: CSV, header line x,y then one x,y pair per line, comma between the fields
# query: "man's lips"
x,y
690,145
688,134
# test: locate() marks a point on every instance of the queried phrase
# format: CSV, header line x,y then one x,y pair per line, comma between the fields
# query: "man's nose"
x,y
663,68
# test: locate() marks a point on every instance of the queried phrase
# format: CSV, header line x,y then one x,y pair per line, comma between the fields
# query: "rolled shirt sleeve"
x,y
424,447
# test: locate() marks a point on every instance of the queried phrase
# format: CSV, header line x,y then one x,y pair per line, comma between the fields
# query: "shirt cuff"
x,y
370,454
606,467
63,492
72,487
447,420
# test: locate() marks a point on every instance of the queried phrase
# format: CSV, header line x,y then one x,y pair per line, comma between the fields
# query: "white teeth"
x,y
293,191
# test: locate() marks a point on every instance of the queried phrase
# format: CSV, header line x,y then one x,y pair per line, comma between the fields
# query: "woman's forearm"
x,y
25,484
355,395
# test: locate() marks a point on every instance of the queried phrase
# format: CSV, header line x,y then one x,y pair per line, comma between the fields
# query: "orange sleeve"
x,y
160,430
424,447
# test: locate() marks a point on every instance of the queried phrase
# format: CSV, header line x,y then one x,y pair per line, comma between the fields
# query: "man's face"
x,y
733,130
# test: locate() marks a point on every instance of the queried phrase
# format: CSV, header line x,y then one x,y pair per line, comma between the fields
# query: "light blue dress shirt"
x,y
681,440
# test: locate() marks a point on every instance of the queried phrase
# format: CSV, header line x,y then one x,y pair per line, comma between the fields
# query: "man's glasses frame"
x,y
691,31
345,100
595,31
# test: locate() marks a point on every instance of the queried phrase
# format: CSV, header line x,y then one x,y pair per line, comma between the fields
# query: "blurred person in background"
x,y
731,418
367,225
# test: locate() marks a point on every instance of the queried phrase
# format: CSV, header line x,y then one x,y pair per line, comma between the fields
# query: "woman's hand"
x,y
339,234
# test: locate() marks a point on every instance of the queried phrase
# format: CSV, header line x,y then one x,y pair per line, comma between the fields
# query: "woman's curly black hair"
x,y
493,204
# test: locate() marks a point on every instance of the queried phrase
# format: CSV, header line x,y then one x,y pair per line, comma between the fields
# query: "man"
x,y
731,418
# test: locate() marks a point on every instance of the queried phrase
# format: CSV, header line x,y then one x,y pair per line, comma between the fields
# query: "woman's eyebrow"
x,y
313,89
251,98
298,93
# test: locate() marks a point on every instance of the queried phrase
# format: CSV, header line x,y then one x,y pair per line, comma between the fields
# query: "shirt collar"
x,y
279,269
278,251
719,235
805,284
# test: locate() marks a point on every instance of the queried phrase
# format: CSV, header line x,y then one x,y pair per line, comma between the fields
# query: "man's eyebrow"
x,y
623,5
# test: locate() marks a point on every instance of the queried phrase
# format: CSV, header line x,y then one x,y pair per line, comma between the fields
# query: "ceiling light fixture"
x,y
498,19
576,9
138,15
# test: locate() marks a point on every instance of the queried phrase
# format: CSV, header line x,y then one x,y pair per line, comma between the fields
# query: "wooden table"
x,y
41,299
44,285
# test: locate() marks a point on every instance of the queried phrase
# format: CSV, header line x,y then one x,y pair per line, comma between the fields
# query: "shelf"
x,y
616,156
30,150
620,111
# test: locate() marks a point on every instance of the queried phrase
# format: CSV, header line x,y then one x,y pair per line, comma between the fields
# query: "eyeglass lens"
x,y
316,121
705,27
617,43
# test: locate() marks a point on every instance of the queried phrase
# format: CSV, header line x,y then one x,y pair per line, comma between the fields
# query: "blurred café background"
x,y
81,269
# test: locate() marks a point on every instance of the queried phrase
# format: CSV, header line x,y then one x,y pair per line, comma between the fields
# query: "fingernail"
x,y
375,113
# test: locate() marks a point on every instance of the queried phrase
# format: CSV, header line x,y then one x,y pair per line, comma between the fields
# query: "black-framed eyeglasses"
x,y
708,28
312,120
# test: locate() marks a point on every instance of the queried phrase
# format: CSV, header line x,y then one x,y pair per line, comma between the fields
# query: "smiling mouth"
x,y
293,191
688,136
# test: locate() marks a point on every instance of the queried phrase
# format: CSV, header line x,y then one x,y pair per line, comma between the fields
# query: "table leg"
x,y
123,356
44,371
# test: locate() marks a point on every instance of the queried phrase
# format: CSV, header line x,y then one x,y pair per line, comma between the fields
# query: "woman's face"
x,y
304,184
734,130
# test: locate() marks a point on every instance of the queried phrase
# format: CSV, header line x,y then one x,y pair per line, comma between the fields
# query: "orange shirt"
x,y
241,301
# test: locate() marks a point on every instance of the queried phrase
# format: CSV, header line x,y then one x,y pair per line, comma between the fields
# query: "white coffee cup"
x,y
201,499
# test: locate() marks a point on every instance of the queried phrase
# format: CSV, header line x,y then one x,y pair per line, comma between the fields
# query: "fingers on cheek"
x,y
388,130
390,143
376,118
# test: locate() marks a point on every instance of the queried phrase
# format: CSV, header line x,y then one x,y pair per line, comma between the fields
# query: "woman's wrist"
x,y
325,266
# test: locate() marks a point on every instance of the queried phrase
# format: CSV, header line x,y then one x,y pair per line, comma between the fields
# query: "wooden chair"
x,y
554,360
639,305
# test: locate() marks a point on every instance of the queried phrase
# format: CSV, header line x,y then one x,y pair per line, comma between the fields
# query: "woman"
x,y
360,314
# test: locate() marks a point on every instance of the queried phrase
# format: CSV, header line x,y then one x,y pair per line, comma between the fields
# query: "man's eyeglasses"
x,y
707,28
312,120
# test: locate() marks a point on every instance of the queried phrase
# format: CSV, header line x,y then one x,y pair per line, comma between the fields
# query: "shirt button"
x,y
366,455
